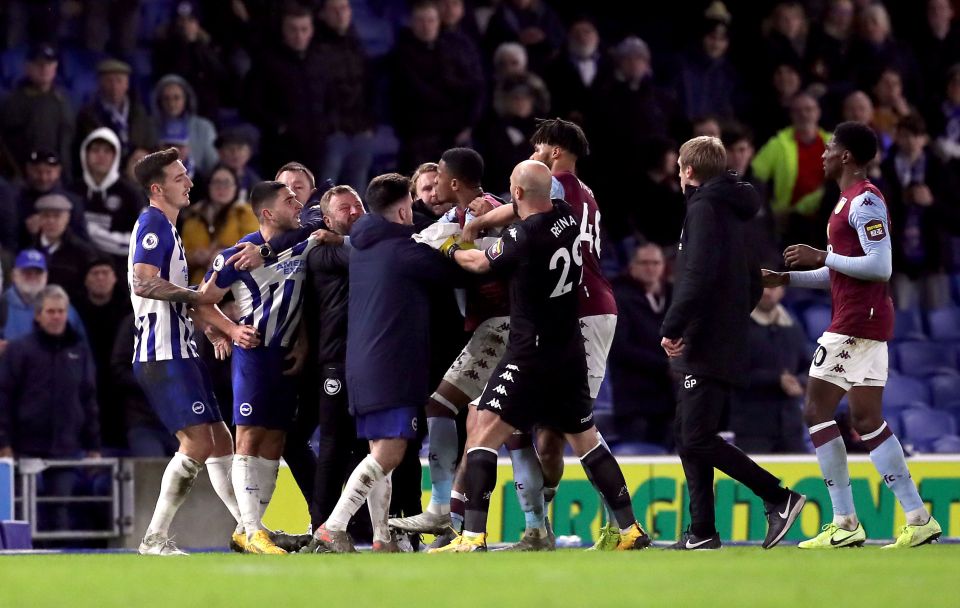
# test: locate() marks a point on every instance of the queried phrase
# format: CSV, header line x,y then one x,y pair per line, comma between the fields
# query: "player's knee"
x,y
812,412
865,423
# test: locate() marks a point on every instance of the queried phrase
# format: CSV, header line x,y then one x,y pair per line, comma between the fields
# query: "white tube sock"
x,y
246,488
218,468
378,502
175,484
358,486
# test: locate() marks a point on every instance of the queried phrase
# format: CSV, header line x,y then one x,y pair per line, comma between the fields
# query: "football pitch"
x,y
734,576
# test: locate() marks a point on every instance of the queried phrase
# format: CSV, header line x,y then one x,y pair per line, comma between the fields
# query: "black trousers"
x,y
702,407
296,451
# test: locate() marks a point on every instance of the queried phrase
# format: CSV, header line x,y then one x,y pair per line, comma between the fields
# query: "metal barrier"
x,y
120,498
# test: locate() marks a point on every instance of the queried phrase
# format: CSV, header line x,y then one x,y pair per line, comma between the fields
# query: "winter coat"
x,y
200,132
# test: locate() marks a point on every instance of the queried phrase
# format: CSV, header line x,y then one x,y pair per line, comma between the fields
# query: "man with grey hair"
x,y
67,255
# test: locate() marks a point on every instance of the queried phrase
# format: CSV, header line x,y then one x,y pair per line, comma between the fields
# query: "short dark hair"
x,y
263,194
385,190
297,167
465,164
294,10
858,139
558,132
913,123
149,169
736,132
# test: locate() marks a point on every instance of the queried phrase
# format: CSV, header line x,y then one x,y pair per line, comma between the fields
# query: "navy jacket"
x,y
388,321
48,402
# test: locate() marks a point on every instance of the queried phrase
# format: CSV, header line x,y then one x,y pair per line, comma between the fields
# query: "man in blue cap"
x,y
17,303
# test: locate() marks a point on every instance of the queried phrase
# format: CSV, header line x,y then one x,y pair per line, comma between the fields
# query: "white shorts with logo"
x,y
471,370
597,333
847,361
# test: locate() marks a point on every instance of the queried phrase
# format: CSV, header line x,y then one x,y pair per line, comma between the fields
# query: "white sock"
x,y
267,475
246,488
358,486
177,480
218,468
378,502
442,441
528,481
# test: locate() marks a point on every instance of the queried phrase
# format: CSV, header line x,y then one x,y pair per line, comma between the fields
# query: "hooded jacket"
x,y
111,207
48,405
717,281
201,133
388,327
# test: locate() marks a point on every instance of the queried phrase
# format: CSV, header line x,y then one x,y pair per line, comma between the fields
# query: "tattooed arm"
x,y
148,284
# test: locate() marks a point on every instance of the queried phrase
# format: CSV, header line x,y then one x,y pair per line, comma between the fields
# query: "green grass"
x,y
735,576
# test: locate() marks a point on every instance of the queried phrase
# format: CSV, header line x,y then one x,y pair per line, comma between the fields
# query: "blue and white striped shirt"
x,y
163,329
271,297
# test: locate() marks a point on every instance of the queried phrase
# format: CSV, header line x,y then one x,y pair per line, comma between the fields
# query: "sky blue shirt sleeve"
x,y
868,216
556,189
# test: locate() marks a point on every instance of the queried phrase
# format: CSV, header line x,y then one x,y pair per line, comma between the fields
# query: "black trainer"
x,y
781,516
691,542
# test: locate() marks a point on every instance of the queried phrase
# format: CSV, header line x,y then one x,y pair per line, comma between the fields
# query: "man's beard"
x,y
29,289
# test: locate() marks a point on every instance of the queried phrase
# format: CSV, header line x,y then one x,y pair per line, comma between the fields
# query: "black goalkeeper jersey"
x,y
543,260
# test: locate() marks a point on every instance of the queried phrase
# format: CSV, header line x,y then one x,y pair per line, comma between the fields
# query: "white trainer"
x,y
424,523
158,544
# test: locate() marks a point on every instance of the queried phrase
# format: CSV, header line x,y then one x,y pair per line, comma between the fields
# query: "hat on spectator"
x,y
113,66
174,133
53,202
632,46
42,52
42,156
31,258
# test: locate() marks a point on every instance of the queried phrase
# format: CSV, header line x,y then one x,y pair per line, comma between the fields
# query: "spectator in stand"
x,y
891,104
175,111
706,82
67,254
284,94
455,19
946,119
436,89
48,403
103,305
37,114
111,25
348,150
131,161
503,135
876,50
786,35
9,236
188,50
830,43
235,148
706,125
937,48
18,301
533,24
111,204
145,434
772,109
423,188
114,108
761,231
921,199
28,20
791,160
643,402
42,172
766,417
578,73
658,207
858,106
216,222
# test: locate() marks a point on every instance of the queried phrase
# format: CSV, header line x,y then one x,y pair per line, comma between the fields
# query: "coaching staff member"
x,y
705,336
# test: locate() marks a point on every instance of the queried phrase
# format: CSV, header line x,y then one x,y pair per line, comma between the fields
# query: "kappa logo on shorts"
x,y
471,374
850,340
332,386
499,389
502,327
150,241
494,404
246,409
513,367
838,369
507,376
482,364
490,352
198,407
843,355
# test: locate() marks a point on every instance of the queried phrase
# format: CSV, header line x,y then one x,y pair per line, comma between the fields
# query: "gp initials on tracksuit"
x,y
689,381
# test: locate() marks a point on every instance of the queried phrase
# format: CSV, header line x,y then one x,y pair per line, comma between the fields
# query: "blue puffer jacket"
x,y
48,404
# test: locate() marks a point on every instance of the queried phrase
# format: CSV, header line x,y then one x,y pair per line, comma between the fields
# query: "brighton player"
x,y
264,399
851,357
559,144
542,377
165,360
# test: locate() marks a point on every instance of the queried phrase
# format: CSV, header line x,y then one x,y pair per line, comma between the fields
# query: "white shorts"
x,y
597,337
471,370
848,362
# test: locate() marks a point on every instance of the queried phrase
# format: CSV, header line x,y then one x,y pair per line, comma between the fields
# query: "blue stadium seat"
x,y
12,65
945,389
944,324
926,358
904,391
638,448
816,319
81,90
76,62
154,15
922,426
907,326
949,444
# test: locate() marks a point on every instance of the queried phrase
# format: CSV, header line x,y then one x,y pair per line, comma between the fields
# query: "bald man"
x,y
542,377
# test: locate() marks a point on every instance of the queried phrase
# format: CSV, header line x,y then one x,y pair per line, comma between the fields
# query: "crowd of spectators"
x,y
351,88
